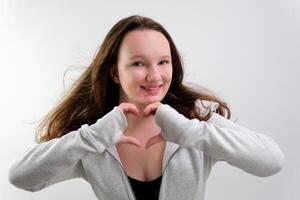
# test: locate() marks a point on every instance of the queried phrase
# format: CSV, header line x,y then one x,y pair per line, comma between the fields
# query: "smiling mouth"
x,y
152,89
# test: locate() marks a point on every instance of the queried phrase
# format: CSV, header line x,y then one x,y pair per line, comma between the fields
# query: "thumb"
x,y
155,139
130,140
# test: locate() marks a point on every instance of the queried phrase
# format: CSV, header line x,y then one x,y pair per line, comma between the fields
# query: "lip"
x,y
152,86
152,90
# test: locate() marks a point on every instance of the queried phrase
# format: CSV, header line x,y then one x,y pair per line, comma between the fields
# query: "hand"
x,y
124,139
151,110
155,139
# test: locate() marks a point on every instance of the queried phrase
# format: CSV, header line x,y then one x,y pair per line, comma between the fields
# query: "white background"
x,y
247,51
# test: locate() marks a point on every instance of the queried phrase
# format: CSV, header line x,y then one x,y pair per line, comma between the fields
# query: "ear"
x,y
114,74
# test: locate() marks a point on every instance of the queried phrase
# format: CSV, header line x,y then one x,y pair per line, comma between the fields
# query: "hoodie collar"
x,y
170,149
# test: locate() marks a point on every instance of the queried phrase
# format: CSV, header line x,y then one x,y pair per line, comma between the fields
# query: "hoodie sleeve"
x,y
59,159
223,140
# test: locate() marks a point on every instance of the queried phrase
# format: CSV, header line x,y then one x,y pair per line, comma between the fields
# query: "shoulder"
x,y
205,106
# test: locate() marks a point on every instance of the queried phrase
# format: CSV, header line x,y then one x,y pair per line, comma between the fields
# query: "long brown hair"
x,y
94,94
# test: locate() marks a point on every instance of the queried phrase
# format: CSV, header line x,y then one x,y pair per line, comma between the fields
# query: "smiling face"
x,y
144,68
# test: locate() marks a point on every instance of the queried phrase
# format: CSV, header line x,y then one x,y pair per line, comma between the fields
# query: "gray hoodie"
x,y
192,148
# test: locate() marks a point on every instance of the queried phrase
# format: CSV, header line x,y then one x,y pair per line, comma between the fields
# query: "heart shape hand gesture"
x,y
149,110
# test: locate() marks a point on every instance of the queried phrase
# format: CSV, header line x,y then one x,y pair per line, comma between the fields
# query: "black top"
x,y
145,190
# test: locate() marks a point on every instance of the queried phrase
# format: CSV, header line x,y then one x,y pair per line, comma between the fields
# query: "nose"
x,y
153,74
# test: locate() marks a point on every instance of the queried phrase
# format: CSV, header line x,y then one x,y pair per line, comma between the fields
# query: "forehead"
x,y
147,43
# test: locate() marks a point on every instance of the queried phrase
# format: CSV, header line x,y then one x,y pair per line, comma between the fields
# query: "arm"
x,y
223,140
60,159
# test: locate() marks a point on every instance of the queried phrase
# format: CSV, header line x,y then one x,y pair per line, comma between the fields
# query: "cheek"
x,y
133,79
168,74
137,76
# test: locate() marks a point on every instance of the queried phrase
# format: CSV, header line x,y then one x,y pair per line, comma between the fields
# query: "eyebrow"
x,y
140,56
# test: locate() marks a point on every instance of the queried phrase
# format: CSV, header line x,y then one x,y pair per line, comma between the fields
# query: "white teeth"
x,y
151,89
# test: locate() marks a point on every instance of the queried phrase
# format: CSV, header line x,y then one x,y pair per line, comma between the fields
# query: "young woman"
x,y
133,130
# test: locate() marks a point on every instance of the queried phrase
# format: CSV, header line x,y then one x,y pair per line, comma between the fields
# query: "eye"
x,y
137,64
166,61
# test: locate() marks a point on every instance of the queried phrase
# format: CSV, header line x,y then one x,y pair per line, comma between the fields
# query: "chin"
x,y
153,99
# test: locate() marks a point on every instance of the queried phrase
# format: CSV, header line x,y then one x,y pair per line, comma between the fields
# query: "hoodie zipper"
x,y
134,197
128,182
160,190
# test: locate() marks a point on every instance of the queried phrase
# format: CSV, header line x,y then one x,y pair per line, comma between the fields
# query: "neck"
x,y
139,122
135,122
141,127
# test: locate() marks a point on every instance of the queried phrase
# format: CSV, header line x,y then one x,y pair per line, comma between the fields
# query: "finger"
x,y
130,108
130,140
153,140
133,109
149,110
